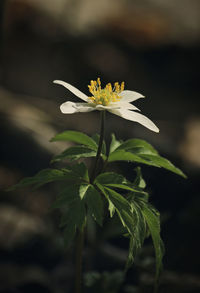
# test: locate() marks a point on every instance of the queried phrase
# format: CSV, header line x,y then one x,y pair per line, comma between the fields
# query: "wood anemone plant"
x,y
84,193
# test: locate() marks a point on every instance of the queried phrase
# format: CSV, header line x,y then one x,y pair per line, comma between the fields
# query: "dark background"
x,y
153,46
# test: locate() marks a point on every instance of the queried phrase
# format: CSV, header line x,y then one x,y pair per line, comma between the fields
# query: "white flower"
x,y
115,100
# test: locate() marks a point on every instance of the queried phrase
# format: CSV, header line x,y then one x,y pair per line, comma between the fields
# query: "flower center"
x,y
107,95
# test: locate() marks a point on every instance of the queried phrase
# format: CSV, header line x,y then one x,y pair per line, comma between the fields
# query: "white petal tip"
x,y
153,127
157,130
57,81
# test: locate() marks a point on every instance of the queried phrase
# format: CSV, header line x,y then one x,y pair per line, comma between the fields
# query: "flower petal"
x,y
130,96
117,105
128,106
110,107
72,89
71,108
137,117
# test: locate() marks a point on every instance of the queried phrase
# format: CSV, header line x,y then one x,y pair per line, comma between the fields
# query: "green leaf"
x,y
94,204
131,188
83,190
81,171
67,196
122,155
111,206
114,144
136,240
131,217
73,211
152,218
46,176
77,137
136,146
122,207
110,178
121,186
74,153
148,159
75,214
164,163
118,200
73,218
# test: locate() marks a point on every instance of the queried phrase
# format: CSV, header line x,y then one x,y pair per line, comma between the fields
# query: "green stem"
x,y
99,147
80,238
79,254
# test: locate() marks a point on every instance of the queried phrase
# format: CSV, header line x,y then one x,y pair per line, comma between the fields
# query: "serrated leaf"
x,y
164,163
94,204
67,196
80,170
75,214
83,190
77,137
153,221
124,187
46,176
73,218
110,177
117,199
122,207
74,153
136,146
122,155
136,240
111,206
147,159
73,210
114,143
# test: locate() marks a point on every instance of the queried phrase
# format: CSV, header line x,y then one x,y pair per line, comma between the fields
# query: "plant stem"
x,y
80,238
99,146
79,254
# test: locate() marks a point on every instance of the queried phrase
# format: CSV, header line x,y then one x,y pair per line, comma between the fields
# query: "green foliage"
x,y
77,137
73,218
75,153
77,199
132,150
152,218
86,148
140,233
84,197
114,143
137,150
94,204
81,171
46,176
111,179
137,146
129,208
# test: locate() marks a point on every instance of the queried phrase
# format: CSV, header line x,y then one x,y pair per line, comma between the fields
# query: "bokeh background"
x,y
152,45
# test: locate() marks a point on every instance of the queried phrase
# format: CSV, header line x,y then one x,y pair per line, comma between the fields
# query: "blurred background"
x,y
152,45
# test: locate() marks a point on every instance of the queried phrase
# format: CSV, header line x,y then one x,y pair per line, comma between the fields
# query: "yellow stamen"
x,y
107,95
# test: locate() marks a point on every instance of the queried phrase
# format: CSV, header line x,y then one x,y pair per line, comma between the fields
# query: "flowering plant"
x,y
89,192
